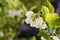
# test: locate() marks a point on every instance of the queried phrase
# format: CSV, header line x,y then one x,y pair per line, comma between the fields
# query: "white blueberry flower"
x,y
42,38
14,13
29,13
43,26
39,21
55,38
1,33
40,24
32,24
28,20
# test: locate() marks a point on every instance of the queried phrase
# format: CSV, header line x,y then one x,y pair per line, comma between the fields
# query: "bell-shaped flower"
x,y
29,13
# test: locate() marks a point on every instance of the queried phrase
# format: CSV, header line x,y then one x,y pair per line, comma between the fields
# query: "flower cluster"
x,y
35,22
15,13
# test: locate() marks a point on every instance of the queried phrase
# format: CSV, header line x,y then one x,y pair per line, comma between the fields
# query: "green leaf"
x,y
58,31
32,38
50,17
56,22
49,5
2,21
7,34
24,8
33,7
44,10
45,34
39,6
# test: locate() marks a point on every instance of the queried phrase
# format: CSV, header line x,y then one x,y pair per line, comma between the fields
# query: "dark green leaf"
x,y
56,22
45,34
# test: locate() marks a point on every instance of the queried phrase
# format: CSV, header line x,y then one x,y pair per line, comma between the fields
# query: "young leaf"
x,y
50,17
44,10
49,5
